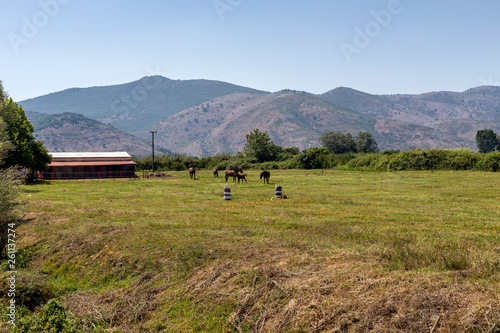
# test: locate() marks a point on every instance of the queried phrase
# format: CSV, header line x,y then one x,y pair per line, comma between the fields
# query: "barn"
x,y
90,166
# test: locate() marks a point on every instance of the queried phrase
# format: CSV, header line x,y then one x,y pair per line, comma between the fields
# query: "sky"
x,y
376,46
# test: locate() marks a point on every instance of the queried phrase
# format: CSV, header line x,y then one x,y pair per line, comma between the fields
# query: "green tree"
x,y
338,143
5,145
260,147
365,143
313,158
23,150
486,141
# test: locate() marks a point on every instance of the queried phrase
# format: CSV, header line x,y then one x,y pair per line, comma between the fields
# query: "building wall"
x,y
90,172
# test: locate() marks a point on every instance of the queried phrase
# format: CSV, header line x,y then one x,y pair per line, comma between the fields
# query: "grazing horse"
x,y
242,178
192,173
265,174
216,173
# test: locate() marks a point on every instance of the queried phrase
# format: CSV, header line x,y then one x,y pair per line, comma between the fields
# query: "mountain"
x,y
68,132
136,106
291,119
459,114
202,117
375,106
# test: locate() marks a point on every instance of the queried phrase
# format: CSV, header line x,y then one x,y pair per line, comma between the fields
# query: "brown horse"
x,y
233,173
265,174
216,173
192,172
242,178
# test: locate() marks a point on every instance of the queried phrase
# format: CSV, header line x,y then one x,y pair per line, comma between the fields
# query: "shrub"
x,y
52,319
313,158
33,289
462,159
489,162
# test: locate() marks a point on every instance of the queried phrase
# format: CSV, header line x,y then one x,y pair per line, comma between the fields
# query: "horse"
x,y
233,173
242,178
265,174
192,172
216,173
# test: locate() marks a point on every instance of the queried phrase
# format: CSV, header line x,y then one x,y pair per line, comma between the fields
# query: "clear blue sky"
x,y
376,46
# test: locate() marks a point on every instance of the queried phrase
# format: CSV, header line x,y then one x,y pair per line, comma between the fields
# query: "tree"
x,y
486,141
15,128
338,143
313,158
365,143
5,145
260,147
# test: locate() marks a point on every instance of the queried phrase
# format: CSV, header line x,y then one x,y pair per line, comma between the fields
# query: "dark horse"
x,y
242,177
265,174
192,173
233,173
216,173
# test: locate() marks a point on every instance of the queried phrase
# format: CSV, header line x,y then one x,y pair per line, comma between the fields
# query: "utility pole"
x,y
153,146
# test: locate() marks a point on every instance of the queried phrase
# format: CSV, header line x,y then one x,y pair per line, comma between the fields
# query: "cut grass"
x,y
305,263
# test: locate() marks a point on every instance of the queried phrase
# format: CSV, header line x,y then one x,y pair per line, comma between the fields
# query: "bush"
x,y
418,159
462,159
489,162
314,158
52,319
375,162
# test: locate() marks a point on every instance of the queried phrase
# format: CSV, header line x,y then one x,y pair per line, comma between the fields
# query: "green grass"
x,y
180,240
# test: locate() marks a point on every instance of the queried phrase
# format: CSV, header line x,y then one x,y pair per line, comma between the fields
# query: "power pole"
x,y
153,146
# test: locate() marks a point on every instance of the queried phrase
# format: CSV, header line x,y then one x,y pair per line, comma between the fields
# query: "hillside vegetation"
x,y
74,132
136,106
344,252
203,117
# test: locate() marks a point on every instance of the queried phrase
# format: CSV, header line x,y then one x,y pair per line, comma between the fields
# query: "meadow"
x,y
345,251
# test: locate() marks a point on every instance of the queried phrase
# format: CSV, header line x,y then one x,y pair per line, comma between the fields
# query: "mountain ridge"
x,y
201,117
74,132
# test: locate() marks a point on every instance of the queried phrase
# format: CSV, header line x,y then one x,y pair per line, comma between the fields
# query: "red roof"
x,y
76,164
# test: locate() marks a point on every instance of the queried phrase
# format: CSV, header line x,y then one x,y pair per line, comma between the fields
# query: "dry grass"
x,y
346,252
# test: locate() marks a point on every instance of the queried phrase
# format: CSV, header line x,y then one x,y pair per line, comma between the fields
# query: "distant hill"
x,y
459,114
292,119
136,106
69,132
375,106
202,117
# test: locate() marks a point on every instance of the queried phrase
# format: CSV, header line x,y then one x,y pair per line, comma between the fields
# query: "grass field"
x,y
344,252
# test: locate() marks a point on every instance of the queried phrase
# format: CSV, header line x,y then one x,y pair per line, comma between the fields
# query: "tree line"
x,y
338,150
